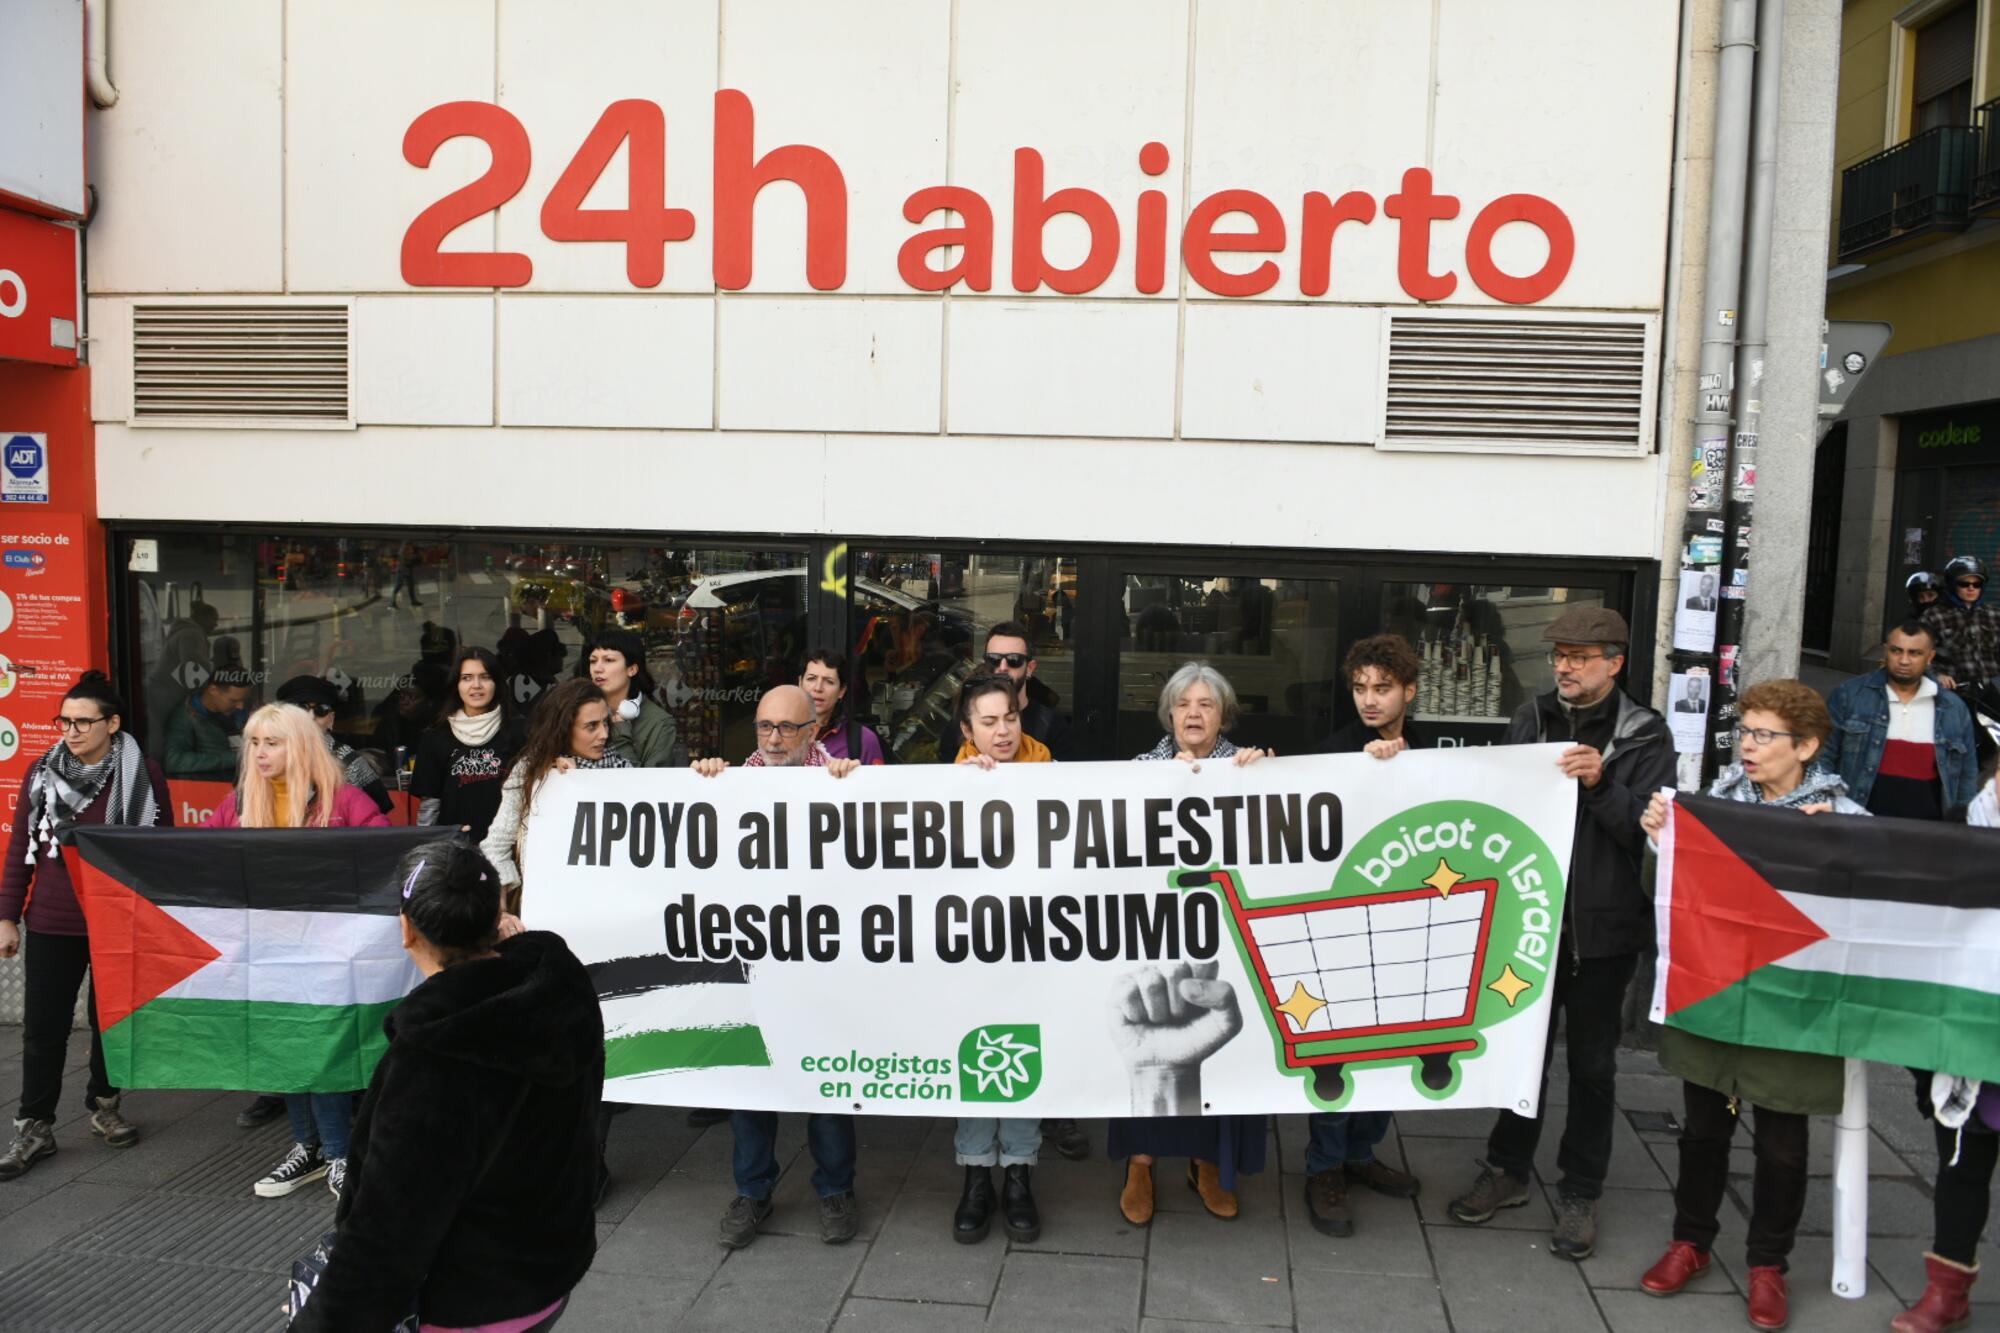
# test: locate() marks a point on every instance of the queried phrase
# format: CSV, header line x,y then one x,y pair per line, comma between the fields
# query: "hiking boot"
x,y
1681,1264
33,1140
260,1112
1068,1138
1326,1203
1575,1235
973,1217
1770,1303
1017,1204
301,1167
1383,1178
1495,1189
837,1219
336,1176
741,1220
107,1124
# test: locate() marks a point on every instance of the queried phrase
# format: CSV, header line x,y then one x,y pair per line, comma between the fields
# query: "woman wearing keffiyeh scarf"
x,y
94,774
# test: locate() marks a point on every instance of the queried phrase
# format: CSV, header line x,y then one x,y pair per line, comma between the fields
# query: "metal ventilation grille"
x,y
246,363
1541,384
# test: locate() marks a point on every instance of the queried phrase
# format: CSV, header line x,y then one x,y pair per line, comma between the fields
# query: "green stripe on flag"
x,y
247,1045
1919,1024
664,1049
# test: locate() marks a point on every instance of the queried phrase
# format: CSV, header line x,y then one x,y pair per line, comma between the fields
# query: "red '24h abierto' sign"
x,y
646,225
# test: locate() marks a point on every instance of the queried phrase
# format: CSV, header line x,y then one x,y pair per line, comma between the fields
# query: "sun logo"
x,y
1000,1062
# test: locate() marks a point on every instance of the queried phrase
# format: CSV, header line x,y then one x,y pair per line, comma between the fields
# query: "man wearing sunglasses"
x,y
317,696
1967,628
1011,653
1620,753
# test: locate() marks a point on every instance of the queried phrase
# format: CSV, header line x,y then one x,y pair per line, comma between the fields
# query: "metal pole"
x,y
1702,536
1754,337
1850,1187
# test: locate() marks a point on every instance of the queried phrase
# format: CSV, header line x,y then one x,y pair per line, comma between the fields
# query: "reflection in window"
x,y
1480,644
920,620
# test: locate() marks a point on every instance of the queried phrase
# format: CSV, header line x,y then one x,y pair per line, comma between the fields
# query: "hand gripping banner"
x,y
1329,932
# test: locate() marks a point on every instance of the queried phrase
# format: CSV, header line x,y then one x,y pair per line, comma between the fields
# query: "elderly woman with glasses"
x,y
1197,708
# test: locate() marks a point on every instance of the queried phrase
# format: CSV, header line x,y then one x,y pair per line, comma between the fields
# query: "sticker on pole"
x,y
26,475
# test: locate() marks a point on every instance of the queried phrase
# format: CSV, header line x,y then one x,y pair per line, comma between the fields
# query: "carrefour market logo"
x,y
1440,923
1000,1062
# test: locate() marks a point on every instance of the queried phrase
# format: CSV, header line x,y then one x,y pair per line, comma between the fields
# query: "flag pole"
x,y
1850,1187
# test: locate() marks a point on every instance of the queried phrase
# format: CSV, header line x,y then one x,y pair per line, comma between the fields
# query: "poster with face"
x,y
1687,710
1694,611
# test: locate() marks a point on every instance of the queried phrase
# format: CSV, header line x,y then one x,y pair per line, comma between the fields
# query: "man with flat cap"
x,y
1620,753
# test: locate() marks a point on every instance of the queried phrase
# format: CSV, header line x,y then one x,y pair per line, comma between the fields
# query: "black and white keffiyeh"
x,y
61,787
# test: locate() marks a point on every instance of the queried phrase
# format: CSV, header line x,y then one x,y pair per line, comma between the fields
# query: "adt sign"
x,y
24,469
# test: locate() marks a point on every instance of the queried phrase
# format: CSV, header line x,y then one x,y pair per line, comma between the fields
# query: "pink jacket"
x,y
352,808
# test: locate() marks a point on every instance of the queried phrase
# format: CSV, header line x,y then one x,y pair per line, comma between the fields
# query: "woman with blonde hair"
x,y
289,779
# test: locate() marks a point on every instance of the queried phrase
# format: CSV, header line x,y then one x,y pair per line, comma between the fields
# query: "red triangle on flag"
x,y
137,951
1726,920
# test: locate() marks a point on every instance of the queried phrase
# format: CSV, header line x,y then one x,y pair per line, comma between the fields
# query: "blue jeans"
x,y
829,1138
1343,1137
984,1141
323,1118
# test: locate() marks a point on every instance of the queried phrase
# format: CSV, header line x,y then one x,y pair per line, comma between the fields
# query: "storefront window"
x,y
382,620
920,620
1276,640
1481,644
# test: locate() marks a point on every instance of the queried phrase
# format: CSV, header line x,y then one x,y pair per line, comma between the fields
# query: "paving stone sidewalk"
x,y
167,1236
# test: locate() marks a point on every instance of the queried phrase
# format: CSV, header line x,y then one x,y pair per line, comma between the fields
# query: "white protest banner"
x,y
1327,932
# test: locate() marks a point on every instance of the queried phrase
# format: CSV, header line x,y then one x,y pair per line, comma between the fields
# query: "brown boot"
x,y
1945,1302
1136,1199
1205,1180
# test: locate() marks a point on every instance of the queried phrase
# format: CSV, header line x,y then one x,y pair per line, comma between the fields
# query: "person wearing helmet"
x,y
1924,589
1968,629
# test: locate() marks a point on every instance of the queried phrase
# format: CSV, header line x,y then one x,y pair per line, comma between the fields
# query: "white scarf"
x,y
475,731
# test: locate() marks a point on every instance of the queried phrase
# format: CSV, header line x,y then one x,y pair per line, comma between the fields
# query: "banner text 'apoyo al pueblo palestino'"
x,y
1074,939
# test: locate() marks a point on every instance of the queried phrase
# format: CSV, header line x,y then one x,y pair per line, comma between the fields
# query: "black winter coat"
x,y
498,1061
1608,910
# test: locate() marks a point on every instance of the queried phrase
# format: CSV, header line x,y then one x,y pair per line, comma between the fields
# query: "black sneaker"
x,y
260,1112
838,1220
1068,1138
701,1117
1326,1203
301,1167
741,1220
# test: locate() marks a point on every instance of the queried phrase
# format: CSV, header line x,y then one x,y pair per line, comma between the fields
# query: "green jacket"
x,y
198,746
647,741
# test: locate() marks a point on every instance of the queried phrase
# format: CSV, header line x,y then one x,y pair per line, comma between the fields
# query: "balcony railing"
x,y
1924,184
1986,174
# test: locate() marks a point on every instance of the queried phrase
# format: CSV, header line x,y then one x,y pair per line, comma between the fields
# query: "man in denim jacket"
x,y
1903,746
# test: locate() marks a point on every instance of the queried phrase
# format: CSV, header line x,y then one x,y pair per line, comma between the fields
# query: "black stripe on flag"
x,y
275,870
616,977
1916,861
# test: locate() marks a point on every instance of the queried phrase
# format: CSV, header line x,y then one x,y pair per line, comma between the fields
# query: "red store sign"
x,y
646,226
38,290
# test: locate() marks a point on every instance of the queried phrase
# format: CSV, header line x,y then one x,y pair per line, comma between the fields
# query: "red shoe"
x,y
1769,1305
1946,1300
1680,1265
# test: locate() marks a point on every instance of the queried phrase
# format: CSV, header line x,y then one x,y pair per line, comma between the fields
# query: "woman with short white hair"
x,y
1197,708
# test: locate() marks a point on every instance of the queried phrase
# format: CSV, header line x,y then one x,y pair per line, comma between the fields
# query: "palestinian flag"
x,y
665,1015
1877,939
257,959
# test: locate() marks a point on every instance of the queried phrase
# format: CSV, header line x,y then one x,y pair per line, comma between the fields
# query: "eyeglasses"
x,y
1014,660
1764,735
77,724
789,730
1559,658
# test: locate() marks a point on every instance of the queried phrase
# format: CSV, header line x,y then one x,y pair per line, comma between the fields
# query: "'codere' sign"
x,y
1231,222
1076,939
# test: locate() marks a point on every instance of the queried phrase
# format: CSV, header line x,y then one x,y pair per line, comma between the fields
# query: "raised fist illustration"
x,y
1165,1022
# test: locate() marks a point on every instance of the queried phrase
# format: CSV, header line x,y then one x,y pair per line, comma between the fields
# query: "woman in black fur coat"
x,y
474,1160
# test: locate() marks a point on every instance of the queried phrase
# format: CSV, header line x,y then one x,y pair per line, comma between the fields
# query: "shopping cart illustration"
x,y
1370,977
